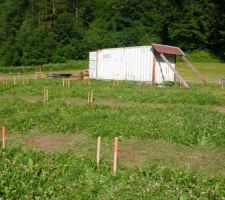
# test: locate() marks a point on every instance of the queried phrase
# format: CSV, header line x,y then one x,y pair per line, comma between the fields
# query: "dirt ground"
x,y
133,152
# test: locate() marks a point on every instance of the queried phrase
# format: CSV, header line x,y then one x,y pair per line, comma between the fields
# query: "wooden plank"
x,y
175,71
201,78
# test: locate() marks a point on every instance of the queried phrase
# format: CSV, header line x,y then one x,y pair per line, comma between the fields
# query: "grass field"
x,y
171,140
211,71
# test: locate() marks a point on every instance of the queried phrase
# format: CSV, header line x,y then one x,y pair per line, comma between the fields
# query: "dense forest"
x,y
42,31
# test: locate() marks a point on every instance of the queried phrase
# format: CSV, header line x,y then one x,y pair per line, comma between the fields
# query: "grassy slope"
x,y
211,71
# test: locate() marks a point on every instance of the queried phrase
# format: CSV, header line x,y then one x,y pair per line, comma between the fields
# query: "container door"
x,y
92,64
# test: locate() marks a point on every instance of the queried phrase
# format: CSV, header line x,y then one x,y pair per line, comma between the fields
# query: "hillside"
x,y
40,32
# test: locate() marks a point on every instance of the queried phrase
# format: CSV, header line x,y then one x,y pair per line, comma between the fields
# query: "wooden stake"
x,y
69,82
86,81
222,84
92,96
3,137
115,157
14,80
66,82
45,96
5,82
88,98
98,151
116,83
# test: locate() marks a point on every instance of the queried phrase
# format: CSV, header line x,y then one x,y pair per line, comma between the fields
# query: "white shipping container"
x,y
131,63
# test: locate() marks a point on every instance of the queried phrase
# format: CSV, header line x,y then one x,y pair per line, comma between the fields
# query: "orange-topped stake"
x,y
3,136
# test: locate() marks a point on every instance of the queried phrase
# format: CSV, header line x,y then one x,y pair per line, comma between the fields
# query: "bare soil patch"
x,y
220,109
129,104
132,152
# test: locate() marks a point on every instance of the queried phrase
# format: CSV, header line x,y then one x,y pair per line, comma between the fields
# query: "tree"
x,y
198,27
39,31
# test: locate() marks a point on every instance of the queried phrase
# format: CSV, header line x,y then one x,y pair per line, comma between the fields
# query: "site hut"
x,y
155,63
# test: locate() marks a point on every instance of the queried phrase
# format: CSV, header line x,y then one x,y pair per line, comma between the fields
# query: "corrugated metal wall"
x,y
129,63
112,64
139,63
92,64
162,70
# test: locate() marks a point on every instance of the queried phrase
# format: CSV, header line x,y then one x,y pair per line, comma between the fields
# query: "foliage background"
x,y
37,32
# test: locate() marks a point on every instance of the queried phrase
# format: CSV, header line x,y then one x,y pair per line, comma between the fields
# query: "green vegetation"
x,y
203,57
27,174
40,32
211,71
171,139
187,124
182,115
69,65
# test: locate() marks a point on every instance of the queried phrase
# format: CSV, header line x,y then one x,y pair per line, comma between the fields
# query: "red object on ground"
x,y
32,142
126,154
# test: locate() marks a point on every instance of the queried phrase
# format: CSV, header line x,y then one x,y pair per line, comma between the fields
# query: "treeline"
x,y
42,31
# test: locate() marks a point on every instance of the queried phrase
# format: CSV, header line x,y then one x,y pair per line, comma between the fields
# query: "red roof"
x,y
168,49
